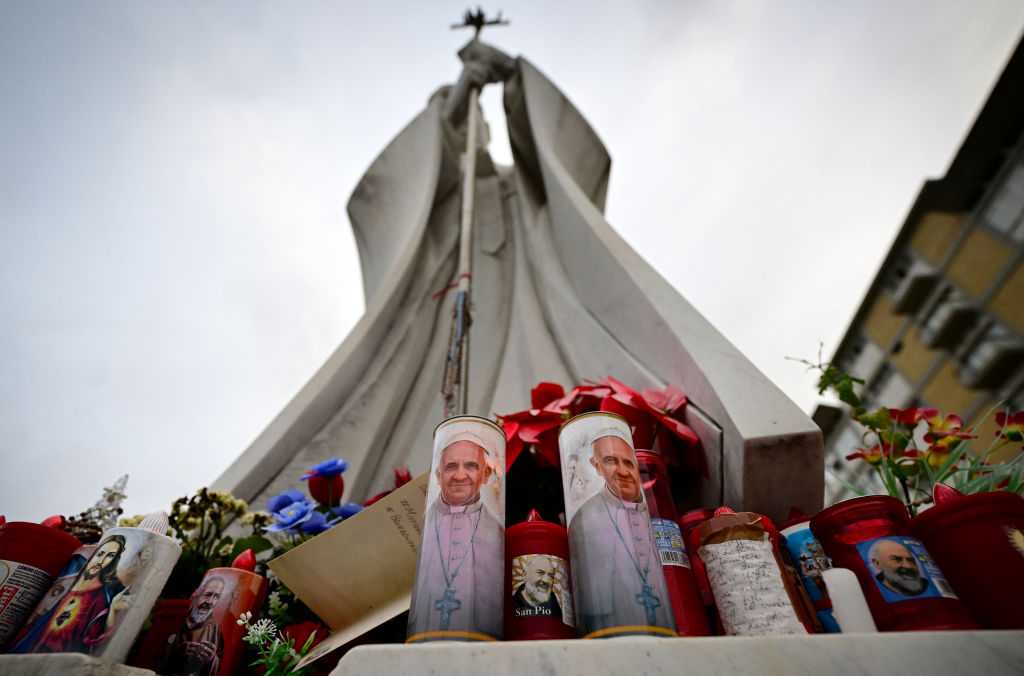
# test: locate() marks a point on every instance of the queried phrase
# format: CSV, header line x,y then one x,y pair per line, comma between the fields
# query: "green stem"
x,y
906,495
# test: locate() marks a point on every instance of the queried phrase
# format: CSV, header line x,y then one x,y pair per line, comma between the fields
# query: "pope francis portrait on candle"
x,y
459,580
618,581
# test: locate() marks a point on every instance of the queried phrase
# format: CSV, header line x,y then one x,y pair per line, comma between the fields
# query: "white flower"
x,y
261,632
244,618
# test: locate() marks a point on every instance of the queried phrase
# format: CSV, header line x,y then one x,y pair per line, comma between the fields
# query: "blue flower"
x,y
326,469
315,524
347,510
282,500
292,516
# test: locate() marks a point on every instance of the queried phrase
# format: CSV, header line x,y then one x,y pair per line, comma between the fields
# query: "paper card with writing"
x,y
359,574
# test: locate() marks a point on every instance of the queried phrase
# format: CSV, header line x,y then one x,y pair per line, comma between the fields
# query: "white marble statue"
x,y
557,295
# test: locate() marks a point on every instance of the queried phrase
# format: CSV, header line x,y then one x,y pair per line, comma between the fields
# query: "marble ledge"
x,y
992,653
69,664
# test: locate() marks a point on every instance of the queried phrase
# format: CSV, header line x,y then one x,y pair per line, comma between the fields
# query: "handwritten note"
x,y
748,588
359,574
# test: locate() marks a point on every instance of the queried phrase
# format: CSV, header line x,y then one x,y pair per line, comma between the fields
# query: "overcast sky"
x,y
175,257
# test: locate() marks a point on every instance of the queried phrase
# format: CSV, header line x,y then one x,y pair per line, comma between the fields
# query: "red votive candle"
x,y
687,605
905,589
30,556
978,541
688,524
538,588
210,639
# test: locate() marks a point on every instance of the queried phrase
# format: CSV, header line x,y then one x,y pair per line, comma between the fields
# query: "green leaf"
x,y
257,543
879,419
889,480
308,643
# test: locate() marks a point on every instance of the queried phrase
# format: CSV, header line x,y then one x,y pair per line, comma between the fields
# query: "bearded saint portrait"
x,y
198,647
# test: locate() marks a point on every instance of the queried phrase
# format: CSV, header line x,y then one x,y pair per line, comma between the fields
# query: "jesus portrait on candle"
x,y
90,611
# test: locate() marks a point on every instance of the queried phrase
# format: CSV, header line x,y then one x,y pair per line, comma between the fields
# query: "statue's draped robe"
x,y
557,295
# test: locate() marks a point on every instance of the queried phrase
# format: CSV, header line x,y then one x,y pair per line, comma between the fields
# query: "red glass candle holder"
x,y
978,541
904,588
687,605
538,586
688,524
30,556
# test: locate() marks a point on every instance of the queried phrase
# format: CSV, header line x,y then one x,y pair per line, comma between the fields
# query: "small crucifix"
x,y
650,602
446,606
478,19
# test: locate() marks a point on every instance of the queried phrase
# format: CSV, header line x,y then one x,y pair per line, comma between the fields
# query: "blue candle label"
x,y
810,560
668,539
903,570
21,587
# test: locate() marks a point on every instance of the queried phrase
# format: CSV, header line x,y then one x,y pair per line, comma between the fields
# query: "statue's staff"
x,y
455,384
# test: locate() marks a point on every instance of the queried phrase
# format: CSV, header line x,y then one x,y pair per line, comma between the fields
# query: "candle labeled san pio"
x,y
618,583
538,591
112,595
210,639
460,576
30,556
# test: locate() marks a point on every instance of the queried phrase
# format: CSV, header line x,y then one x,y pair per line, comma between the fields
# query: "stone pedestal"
x,y
991,653
65,664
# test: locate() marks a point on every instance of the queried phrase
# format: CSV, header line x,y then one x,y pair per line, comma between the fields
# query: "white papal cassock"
x,y
616,572
463,550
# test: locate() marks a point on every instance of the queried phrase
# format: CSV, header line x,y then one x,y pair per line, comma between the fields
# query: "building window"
x,y
951,317
994,357
890,388
863,362
897,272
1005,208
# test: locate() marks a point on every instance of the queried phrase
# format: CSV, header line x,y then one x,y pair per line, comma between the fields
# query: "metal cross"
x,y
650,602
447,606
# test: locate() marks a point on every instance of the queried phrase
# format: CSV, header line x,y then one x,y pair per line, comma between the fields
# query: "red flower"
x,y
545,393
911,416
537,427
943,434
301,631
662,407
873,455
1011,427
402,477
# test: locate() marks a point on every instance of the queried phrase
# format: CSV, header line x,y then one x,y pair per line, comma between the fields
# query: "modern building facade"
x,y
942,323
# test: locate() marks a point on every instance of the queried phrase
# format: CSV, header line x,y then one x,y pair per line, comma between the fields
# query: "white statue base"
x,y
66,664
992,653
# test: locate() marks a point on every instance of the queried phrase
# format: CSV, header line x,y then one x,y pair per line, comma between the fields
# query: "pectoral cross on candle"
x,y
650,602
446,606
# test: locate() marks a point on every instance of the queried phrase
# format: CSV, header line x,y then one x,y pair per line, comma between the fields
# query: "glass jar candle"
x,y
904,587
754,592
687,605
978,540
